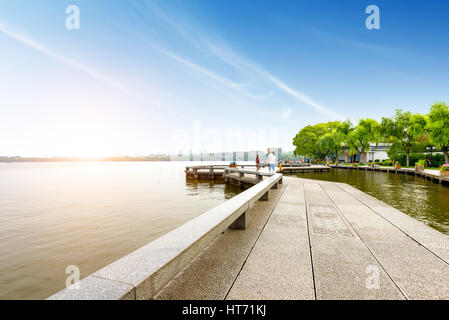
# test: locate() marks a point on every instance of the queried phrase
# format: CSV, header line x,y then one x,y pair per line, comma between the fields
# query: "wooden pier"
x,y
288,169
205,172
244,178
211,172
432,175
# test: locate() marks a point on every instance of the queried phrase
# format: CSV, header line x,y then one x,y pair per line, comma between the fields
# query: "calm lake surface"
x,y
417,197
88,214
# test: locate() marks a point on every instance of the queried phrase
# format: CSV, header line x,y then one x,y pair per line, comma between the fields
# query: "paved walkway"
x,y
320,240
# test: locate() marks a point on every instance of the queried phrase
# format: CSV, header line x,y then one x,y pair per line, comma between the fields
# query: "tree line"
x,y
405,132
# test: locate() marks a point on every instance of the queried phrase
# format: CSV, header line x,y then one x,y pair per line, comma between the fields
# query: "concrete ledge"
x,y
95,288
144,272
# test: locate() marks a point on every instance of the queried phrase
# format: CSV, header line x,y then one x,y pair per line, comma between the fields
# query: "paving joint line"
x,y
255,242
361,239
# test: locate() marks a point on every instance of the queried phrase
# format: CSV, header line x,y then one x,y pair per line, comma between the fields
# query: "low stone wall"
x,y
144,272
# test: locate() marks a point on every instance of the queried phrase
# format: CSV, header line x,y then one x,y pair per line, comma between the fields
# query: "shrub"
x,y
421,163
387,163
436,160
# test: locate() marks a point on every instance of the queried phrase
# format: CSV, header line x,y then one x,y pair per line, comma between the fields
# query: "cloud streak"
x,y
304,98
231,58
203,70
24,39
242,65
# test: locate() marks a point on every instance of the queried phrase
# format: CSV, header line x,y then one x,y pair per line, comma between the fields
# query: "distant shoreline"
x,y
111,159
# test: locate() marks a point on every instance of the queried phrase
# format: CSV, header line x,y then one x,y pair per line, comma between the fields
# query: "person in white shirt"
x,y
271,161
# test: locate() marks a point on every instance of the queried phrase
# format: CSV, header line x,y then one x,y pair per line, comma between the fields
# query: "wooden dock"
x,y
289,169
211,172
432,175
244,178
218,172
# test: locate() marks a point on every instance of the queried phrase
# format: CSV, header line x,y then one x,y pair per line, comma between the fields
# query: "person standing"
x,y
271,161
257,163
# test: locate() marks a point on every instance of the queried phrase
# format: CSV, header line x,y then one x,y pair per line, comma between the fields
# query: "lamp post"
x,y
431,150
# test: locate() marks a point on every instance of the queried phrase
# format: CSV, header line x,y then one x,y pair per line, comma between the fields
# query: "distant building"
x,y
378,152
222,156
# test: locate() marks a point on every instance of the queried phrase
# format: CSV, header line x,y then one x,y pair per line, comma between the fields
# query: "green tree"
x,y
366,132
305,141
344,129
331,144
404,130
438,127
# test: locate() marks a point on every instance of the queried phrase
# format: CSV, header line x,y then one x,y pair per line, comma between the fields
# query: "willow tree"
x,y
350,137
305,141
365,133
331,144
438,127
404,130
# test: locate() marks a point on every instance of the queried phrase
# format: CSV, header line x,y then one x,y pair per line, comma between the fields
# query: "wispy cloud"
x,y
304,98
24,39
184,30
237,61
201,69
215,76
240,64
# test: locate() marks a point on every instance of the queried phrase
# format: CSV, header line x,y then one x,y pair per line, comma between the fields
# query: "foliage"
x,y
387,163
421,163
435,160
404,130
438,127
305,141
331,144
404,134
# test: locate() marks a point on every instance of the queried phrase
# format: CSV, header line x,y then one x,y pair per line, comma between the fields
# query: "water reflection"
x,y
88,214
415,196
211,189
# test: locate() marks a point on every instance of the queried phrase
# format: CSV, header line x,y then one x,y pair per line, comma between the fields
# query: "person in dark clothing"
x,y
257,163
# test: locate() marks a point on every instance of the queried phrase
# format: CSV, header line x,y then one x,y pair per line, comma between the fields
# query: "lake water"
x,y
415,196
88,214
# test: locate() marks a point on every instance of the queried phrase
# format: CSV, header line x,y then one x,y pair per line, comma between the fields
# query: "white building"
x,y
378,152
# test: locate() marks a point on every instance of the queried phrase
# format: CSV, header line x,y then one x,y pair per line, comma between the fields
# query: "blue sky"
x,y
142,77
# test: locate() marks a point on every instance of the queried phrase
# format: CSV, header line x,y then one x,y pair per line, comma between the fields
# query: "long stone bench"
x,y
144,272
